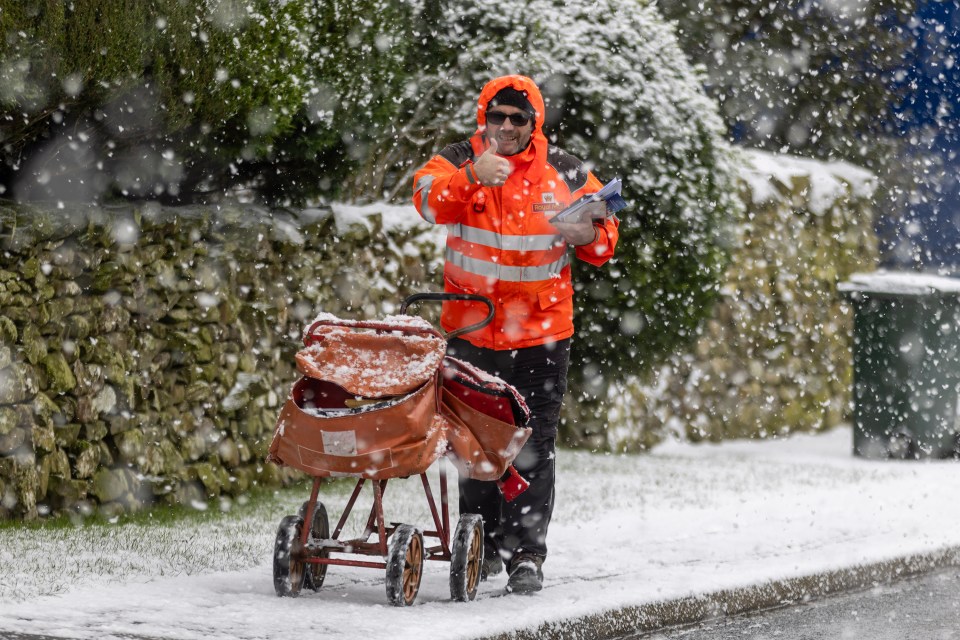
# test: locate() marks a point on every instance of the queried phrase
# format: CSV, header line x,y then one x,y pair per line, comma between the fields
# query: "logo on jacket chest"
x,y
549,203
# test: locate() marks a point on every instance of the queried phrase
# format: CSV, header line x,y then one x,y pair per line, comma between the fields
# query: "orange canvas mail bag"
x,y
486,420
367,404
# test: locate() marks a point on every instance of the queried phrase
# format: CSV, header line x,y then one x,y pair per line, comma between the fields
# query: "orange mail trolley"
x,y
379,400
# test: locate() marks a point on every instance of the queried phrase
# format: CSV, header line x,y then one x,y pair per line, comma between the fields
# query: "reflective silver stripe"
x,y
500,241
471,173
423,186
502,272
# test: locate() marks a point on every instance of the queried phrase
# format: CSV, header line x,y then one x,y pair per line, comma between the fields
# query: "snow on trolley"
x,y
379,400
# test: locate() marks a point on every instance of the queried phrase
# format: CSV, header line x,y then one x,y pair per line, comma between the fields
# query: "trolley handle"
x,y
446,297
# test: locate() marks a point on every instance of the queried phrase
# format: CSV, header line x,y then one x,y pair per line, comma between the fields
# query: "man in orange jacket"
x,y
497,193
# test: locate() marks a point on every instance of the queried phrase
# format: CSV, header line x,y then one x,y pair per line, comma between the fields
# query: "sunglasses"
x,y
516,119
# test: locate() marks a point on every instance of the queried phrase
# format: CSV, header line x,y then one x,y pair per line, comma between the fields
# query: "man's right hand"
x,y
492,170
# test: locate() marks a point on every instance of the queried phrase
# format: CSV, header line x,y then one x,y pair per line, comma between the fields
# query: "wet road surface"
x,y
921,608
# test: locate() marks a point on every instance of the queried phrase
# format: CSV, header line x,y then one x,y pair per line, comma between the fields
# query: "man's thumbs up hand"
x,y
492,170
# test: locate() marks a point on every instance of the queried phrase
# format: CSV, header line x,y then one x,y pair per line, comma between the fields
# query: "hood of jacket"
x,y
520,83
536,151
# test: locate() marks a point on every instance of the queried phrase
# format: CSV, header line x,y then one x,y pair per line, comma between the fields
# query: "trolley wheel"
x,y
404,565
466,557
314,574
288,575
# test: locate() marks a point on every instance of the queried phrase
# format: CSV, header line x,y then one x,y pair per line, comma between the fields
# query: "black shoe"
x,y
492,564
491,567
525,576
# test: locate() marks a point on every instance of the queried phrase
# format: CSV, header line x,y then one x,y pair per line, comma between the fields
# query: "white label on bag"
x,y
339,443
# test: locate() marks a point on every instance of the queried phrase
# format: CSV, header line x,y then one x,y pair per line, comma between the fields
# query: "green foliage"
x,y
774,357
343,133
621,95
820,79
297,100
174,98
49,50
814,78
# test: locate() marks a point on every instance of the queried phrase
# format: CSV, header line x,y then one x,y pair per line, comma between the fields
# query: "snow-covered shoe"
x,y
525,575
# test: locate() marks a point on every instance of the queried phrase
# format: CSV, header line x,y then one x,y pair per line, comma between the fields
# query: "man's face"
x,y
511,139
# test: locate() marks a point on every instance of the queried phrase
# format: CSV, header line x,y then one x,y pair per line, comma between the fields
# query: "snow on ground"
x,y
627,530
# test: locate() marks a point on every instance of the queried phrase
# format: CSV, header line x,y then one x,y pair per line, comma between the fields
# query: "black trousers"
x,y
540,375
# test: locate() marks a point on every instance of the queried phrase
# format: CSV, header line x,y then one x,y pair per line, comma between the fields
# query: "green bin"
x,y
906,365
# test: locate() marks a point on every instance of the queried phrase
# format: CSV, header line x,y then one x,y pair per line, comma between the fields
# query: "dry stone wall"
x,y
775,357
144,351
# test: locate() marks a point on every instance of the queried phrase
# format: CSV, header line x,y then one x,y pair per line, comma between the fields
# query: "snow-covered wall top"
x,y
901,283
768,175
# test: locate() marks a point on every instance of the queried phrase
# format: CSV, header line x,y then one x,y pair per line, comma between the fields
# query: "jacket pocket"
x,y
554,293
454,286
461,313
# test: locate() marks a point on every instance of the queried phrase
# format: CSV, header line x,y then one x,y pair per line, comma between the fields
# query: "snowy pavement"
x,y
630,533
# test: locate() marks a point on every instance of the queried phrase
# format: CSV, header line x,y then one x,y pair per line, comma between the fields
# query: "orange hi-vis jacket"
x,y
499,241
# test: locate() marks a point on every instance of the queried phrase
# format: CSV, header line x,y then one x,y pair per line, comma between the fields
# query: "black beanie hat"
x,y
513,98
